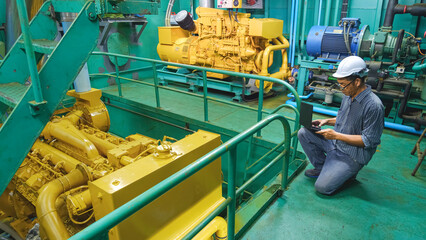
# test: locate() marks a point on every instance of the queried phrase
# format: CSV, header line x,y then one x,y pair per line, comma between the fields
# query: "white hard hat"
x,y
351,65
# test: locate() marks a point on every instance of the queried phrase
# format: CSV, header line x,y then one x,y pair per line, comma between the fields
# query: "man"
x,y
338,155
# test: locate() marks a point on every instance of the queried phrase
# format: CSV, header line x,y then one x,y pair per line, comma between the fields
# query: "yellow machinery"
x,y
77,173
229,42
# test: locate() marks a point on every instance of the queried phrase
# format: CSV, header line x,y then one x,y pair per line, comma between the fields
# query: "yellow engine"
x,y
76,173
221,40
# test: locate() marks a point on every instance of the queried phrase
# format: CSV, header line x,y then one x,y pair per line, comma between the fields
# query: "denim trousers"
x,y
336,166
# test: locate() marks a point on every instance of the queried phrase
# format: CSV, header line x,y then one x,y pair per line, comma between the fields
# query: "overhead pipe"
x,y
294,31
302,42
50,222
327,13
82,81
291,32
336,12
319,12
418,9
206,3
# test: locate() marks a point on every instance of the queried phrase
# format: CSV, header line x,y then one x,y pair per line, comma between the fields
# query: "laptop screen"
x,y
306,115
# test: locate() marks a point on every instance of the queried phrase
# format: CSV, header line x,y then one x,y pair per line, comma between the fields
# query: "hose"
x,y
168,13
397,45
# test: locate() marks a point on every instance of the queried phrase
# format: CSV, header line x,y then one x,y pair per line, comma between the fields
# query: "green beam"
x,y
23,127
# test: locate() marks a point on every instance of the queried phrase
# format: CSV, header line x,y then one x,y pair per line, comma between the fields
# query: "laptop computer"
x,y
305,118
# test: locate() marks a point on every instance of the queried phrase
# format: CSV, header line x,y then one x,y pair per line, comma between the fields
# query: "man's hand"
x,y
322,122
329,134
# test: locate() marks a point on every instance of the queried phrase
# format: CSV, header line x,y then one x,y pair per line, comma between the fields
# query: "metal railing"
x,y
205,97
126,210
290,138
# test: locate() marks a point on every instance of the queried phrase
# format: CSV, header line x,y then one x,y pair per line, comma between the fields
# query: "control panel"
x,y
229,3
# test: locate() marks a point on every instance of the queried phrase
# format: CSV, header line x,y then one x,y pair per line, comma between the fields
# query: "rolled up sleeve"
x,y
373,124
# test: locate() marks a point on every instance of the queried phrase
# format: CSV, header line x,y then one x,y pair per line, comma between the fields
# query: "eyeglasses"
x,y
344,87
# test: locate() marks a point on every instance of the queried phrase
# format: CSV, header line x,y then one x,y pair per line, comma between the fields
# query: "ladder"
x,y
34,101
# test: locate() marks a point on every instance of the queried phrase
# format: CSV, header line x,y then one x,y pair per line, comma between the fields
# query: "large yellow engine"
x,y
77,173
221,40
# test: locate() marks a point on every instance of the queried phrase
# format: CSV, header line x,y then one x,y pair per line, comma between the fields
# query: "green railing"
x,y
205,97
101,226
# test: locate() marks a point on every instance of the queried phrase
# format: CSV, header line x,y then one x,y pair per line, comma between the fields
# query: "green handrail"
x,y
126,210
204,70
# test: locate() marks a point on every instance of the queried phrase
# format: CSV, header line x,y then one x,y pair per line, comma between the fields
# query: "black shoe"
x,y
313,173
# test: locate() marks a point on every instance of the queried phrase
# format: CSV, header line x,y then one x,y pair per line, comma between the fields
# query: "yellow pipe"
x,y
266,53
69,163
103,146
48,217
284,65
217,226
65,131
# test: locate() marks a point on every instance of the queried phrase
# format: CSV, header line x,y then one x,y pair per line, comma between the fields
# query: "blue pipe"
x,y
393,126
290,95
319,13
296,15
290,50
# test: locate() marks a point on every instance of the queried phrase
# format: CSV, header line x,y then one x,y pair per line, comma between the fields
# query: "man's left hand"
x,y
329,134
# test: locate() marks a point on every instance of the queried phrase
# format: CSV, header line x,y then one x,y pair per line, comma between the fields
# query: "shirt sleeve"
x,y
373,124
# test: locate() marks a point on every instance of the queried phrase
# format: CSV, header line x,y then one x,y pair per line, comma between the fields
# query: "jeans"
x,y
336,166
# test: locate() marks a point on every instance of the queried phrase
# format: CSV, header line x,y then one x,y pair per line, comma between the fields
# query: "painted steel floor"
x,y
385,202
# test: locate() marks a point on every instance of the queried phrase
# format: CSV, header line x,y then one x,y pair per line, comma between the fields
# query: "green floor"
x,y
385,202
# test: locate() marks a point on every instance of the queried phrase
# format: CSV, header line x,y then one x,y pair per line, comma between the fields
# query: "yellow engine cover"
x,y
176,212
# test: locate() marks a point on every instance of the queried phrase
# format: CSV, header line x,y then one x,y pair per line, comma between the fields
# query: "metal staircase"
x,y
34,101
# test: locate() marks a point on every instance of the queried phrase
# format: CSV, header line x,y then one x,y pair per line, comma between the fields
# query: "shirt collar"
x,y
363,94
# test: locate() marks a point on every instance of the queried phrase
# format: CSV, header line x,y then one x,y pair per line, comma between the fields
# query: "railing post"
x,y
260,105
232,169
157,96
117,79
29,51
206,107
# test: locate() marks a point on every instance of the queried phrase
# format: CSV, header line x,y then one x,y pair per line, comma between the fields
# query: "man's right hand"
x,y
322,122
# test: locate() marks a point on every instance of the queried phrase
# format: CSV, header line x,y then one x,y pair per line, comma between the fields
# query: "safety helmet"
x,y
351,65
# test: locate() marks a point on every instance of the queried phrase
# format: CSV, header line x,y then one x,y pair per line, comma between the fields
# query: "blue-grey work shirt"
x,y
363,116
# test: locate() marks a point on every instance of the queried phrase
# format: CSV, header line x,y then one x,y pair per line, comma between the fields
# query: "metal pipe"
x,y
319,12
13,29
126,210
394,126
390,14
267,52
64,130
29,50
336,12
327,12
206,220
47,215
293,47
206,105
217,227
206,3
302,42
237,74
291,31
232,172
157,93
68,163
117,79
